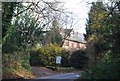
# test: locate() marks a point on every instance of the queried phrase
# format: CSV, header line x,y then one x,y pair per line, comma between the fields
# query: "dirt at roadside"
x,y
42,72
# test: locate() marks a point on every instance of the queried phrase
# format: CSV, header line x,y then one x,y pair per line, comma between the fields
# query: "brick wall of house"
x,y
71,45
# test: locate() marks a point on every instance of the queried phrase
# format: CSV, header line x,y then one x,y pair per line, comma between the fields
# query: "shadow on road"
x,y
40,80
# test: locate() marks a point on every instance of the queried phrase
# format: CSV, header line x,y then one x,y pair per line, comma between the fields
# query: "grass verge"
x,y
61,69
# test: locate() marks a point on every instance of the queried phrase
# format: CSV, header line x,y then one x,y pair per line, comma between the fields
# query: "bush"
x,y
65,62
61,69
46,55
15,62
65,69
34,58
79,59
107,68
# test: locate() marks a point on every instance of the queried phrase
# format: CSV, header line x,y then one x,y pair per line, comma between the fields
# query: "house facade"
x,y
73,45
73,41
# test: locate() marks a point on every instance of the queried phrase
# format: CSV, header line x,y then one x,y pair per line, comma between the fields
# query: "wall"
x,y
71,45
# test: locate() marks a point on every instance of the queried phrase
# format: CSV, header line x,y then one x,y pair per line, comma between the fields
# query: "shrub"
x,y
107,68
15,62
61,69
79,59
65,69
65,62
46,55
34,58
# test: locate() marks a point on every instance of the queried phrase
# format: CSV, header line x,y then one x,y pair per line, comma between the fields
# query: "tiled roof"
x,y
73,36
78,37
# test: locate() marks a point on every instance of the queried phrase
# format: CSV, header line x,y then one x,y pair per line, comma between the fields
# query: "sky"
x,y
80,10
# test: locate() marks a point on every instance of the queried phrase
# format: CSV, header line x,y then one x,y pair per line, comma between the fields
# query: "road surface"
x,y
63,76
58,77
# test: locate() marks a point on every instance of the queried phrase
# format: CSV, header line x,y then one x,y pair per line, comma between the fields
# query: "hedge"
x,y
46,55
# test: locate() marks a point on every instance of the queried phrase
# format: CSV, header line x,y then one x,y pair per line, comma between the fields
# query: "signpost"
x,y
58,60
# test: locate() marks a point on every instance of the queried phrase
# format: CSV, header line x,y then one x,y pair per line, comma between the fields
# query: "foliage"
x,y
65,62
20,73
24,33
21,31
65,69
7,14
15,50
95,20
107,68
79,59
46,55
102,27
55,36
22,28
61,69
104,40
15,62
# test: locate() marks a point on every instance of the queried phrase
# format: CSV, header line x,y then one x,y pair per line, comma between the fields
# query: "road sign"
x,y
58,59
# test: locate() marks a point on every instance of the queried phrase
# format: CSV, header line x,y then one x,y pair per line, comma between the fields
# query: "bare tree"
x,y
46,13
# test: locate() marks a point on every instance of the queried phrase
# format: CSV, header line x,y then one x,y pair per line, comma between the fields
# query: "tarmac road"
x,y
63,76
58,77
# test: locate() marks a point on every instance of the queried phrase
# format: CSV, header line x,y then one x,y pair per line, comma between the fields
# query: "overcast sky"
x,y
80,10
